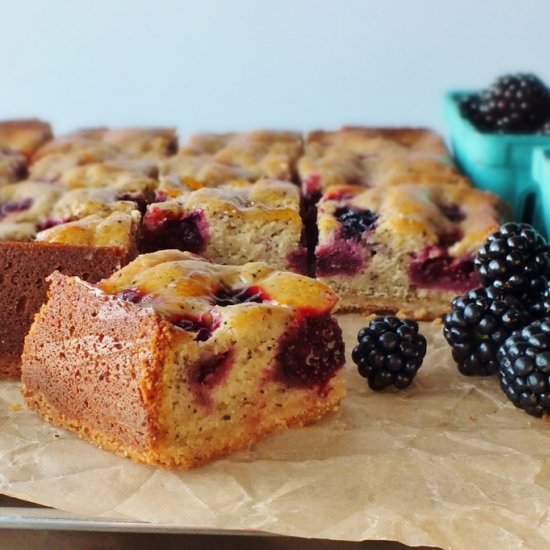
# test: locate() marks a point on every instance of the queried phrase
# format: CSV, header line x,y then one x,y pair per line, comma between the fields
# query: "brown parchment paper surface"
x,y
448,462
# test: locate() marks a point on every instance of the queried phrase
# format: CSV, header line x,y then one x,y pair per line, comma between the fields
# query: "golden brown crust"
x,y
39,403
211,160
373,157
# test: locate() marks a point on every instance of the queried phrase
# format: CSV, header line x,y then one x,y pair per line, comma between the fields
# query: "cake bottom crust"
x,y
420,309
169,456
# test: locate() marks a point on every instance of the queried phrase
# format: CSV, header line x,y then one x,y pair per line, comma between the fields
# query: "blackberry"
x,y
537,301
517,103
477,325
390,352
524,368
515,259
355,221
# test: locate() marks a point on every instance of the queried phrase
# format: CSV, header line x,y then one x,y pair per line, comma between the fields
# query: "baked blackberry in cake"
x,y
371,157
214,159
408,248
170,368
232,225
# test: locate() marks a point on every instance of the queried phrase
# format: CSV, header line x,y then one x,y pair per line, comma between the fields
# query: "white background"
x,y
217,65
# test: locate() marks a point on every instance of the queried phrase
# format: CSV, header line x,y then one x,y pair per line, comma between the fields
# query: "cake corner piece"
x,y
179,377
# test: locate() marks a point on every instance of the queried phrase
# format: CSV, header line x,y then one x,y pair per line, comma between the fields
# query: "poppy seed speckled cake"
x,y
174,361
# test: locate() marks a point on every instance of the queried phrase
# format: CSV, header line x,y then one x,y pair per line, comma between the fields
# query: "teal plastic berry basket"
x,y
500,163
541,174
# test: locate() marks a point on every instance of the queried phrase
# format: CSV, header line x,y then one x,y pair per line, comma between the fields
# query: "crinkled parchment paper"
x,y
449,463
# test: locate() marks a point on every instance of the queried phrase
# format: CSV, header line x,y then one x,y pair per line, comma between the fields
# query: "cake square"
x,y
43,228
13,167
24,136
163,363
99,145
232,224
215,159
372,157
408,248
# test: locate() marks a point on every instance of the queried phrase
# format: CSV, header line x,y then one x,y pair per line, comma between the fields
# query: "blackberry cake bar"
x,y
209,160
232,224
24,136
79,214
84,147
43,228
19,139
162,362
372,157
407,248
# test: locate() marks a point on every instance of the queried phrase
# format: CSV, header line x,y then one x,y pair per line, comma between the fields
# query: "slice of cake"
x,y
372,157
100,145
232,225
24,136
174,361
13,166
92,248
408,248
214,159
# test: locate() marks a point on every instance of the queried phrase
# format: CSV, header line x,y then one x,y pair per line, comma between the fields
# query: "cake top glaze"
x,y
180,284
460,215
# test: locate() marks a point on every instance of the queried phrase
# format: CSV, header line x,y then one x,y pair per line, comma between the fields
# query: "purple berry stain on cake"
x,y
234,296
312,185
298,261
433,268
132,295
164,229
310,353
206,374
453,212
339,258
347,254
12,207
202,327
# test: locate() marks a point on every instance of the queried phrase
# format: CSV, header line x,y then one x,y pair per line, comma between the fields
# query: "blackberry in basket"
x,y
515,103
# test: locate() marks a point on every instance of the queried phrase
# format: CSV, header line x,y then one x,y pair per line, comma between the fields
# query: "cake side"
x,y
24,267
408,249
232,224
92,365
172,371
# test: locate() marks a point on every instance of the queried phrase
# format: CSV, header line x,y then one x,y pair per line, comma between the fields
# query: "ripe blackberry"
x,y
390,351
515,259
517,103
477,325
355,221
537,301
524,368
